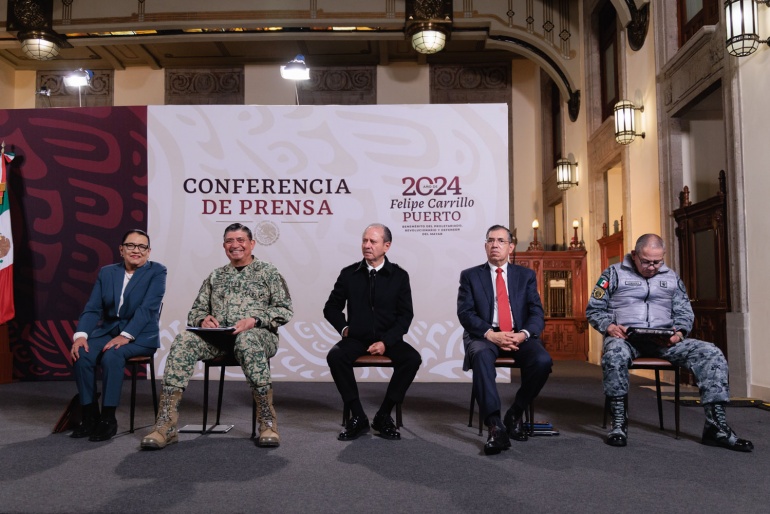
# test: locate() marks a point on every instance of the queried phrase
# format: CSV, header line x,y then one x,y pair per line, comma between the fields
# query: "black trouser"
x,y
533,358
406,362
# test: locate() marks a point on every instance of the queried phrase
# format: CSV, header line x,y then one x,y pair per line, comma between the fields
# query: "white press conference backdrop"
x,y
307,180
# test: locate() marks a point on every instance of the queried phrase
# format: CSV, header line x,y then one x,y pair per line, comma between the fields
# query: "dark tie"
x,y
503,306
372,277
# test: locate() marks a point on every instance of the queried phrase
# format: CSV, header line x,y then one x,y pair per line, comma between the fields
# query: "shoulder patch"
x,y
598,292
603,283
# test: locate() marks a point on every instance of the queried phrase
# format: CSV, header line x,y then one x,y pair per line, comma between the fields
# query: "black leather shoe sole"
x,y
104,431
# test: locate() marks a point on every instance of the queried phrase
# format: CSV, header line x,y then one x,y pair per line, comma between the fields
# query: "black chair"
x,y
529,415
133,365
658,365
222,362
367,361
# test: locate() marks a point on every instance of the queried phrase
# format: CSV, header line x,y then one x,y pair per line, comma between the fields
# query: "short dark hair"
x,y
238,226
649,241
387,237
500,227
136,231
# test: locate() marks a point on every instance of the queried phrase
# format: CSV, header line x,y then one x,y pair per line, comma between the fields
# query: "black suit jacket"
x,y
387,320
476,300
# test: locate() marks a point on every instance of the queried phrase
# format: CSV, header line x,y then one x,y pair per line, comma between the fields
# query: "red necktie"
x,y
503,306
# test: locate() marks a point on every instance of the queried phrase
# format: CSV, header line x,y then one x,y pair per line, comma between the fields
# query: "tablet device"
x,y
659,336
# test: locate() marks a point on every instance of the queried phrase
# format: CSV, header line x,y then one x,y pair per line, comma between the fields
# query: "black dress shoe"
x,y
514,426
104,430
385,426
356,426
85,428
497,440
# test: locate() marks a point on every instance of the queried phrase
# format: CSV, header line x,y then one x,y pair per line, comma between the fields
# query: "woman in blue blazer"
x,y
119,321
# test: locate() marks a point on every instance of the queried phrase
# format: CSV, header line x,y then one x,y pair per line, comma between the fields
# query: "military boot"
x,y
165,431
268,422
618,436
716,431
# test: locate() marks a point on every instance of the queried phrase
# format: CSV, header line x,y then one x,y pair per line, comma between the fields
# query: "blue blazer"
x,y
140,312
476,300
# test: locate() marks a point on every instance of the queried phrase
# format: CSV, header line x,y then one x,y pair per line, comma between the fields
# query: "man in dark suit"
x,y
509,327
379,310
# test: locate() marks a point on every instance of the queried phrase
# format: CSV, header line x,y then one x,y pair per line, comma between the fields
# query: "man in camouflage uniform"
x,y
249,295
642,291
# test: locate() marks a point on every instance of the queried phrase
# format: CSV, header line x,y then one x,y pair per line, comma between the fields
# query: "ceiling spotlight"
x,y
296,69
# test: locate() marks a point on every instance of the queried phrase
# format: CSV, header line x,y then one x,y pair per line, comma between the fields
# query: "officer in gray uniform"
x,y
642,291
249,295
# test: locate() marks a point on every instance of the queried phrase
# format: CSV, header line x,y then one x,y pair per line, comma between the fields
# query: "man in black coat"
x,y
379,311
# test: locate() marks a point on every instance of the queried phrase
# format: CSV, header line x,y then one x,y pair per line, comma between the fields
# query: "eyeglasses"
x,y
133,246
239,240
499,241
650,264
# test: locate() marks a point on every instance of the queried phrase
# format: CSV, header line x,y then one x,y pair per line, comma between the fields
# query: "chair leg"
x,y
133,397
253,417
660,398
205,396
221,391
676,401
531,417
399,424
154,388
606,410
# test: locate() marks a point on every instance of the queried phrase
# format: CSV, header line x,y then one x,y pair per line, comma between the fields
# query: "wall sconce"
x,y
296,69
565,178
742,27
625,122
535,244
428,24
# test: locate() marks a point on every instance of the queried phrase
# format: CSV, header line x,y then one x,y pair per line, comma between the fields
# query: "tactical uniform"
x,y
624,297
229,294
257,291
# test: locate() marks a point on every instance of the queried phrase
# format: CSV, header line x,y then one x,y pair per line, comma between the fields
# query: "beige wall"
x,y
753,157
526,138
642,175
139,86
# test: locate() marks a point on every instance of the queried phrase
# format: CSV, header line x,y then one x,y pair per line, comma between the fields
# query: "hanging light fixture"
x,y
38,45
565,178
742,27
32,23
625,122
296,69
428,24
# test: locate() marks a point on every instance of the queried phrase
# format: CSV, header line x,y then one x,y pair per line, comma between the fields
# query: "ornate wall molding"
x,y
346,85
695,68
204,86
471,83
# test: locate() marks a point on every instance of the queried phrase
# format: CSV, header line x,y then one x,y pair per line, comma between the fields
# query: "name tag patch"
x,y
633,282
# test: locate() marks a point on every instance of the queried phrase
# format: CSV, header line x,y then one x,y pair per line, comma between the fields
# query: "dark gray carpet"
x,y
438,466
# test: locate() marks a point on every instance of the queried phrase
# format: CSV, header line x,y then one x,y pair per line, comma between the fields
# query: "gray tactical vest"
x,y
643,302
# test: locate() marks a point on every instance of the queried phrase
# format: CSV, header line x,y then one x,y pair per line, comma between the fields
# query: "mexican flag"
x,y
6,243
